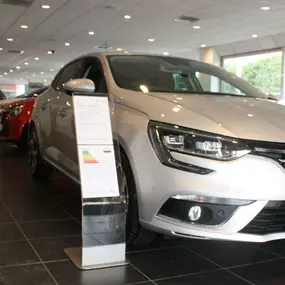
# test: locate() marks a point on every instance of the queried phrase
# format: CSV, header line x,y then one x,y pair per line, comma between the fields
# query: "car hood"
x,y
235,116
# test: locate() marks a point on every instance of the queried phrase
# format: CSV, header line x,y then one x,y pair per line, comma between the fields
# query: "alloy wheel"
x,y
32,151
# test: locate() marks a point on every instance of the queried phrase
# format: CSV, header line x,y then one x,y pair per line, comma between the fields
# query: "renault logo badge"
x,y
195,213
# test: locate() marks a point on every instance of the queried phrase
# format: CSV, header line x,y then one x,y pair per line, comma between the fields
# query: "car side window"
x,y
71,71
94,71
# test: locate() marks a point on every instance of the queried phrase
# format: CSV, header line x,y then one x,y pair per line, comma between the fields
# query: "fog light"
x,y
195,213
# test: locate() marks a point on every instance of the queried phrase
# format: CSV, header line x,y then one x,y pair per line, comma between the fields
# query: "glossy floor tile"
x,y
220,277
10,232
226,254
52,249
25,275
65,273
15,253
39,220
265,273
50,229
164,263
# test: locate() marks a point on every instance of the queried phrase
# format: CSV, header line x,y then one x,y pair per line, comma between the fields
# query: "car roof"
x,y
98,54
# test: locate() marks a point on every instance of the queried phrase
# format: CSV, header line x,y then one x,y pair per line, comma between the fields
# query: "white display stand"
x,y
103,208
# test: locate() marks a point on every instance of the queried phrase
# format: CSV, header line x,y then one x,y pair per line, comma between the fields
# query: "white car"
x,y
203,151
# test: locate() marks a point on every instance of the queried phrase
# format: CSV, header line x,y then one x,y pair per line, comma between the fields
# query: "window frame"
x,y
57,77
98,61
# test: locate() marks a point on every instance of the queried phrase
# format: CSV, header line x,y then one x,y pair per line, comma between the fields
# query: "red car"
x,y
15,115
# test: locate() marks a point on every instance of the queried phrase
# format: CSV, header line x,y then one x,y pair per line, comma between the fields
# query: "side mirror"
x,y
79,85
271,97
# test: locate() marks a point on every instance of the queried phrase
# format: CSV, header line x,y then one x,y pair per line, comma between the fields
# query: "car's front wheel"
x,y
135,233
39,169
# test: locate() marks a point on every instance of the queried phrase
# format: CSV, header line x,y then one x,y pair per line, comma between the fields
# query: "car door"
x,y
92,69
60,113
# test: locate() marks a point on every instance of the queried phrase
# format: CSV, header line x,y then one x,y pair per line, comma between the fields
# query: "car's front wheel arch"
x,y
135,233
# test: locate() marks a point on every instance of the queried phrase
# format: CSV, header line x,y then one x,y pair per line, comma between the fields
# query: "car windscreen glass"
x,y
149,73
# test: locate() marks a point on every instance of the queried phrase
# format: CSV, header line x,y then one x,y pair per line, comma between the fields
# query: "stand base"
x,y
75,255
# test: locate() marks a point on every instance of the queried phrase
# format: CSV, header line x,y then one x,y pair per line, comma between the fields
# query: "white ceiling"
x,y
222,22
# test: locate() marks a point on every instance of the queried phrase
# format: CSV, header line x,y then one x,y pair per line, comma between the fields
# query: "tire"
x,y
135,233
39,169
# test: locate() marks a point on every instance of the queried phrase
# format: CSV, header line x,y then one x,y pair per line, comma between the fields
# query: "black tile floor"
x,y
38,221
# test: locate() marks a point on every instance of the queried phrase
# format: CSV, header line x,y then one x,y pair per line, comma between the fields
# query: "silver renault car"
x,y
203,151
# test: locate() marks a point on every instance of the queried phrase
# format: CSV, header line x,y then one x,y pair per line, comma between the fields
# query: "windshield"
x,y
149,73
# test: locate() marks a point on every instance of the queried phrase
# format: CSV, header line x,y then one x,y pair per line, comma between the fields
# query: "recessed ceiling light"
x,y
67,44
91,33
22,78
22,52
18,67
26,63
1,49
34,75
24,26
127,17
10,39
265,8
45,80
1,75
196,27
42,72
203,46
51,70
50,52
151,40
255,36
45,6
36,58
11,70
119,49
166,53
62,66
5,73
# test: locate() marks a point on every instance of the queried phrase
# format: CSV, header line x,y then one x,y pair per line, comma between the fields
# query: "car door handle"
x,y
43,106
62,112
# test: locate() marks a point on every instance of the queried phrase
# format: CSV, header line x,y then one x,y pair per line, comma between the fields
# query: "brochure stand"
x,y
102,186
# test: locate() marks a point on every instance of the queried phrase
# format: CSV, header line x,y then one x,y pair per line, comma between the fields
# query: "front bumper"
x,y
253,177
258,222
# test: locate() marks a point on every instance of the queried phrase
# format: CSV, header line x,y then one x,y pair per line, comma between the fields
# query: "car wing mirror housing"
x,y
79,85
272,97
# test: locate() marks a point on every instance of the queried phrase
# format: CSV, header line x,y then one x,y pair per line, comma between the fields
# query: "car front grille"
x,y
271,219
275,151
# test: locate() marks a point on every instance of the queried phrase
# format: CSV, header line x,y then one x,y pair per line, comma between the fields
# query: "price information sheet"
x,y
95,148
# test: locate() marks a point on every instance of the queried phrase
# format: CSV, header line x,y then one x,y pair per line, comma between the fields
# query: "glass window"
x,y
94,72
214,84
71,71
176,75
262,70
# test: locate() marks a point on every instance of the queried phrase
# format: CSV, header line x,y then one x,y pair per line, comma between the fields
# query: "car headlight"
x,y
16,111
167,138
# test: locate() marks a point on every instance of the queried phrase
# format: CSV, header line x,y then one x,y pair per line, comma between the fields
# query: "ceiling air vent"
x,y
21,3
186,18
110,7
14,51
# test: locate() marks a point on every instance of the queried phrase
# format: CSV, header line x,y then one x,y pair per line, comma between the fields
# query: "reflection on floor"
x,y
38,221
